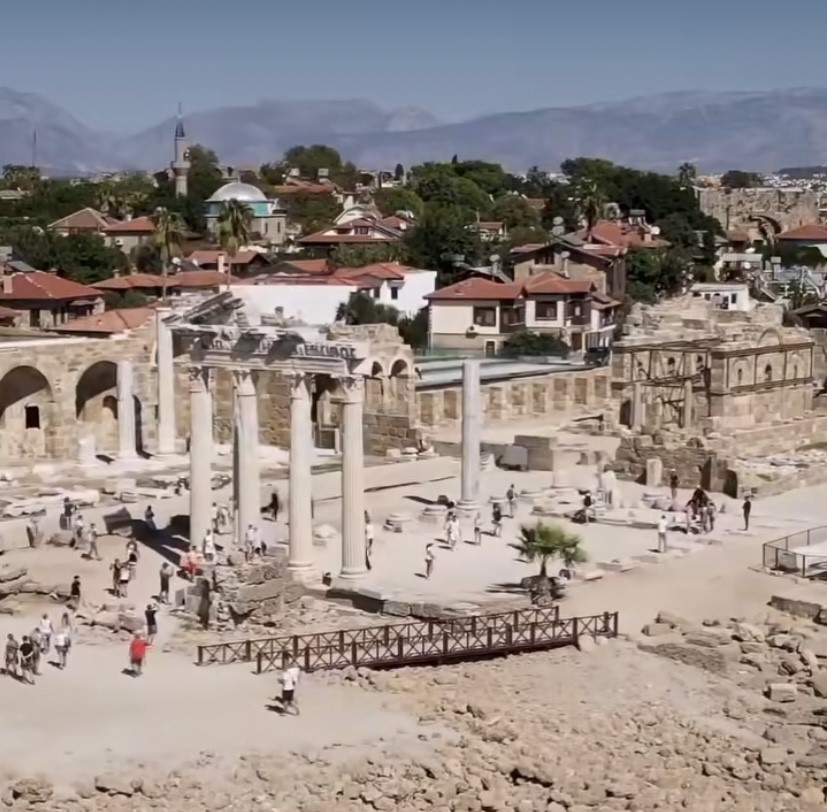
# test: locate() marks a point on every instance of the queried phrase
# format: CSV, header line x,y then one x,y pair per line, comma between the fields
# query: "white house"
x,y
314,295
727,296
480,314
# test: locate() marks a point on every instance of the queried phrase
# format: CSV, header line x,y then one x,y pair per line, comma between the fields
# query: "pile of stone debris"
x,y
565,731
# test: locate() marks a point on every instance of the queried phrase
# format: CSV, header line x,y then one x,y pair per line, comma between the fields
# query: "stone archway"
x,y
27,415
96,405
375,387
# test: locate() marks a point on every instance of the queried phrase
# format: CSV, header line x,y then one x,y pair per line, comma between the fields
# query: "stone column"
x,y
201,453
636,417
353,480
301,484
688,393
165,370
126,413
248,505
471,436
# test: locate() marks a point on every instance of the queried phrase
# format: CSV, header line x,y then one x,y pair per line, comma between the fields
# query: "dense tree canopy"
x,y
399,198
739,179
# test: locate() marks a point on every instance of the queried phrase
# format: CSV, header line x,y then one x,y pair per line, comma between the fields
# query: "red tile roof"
x,y
210,257
138,225
299,187
623,235
134,280
812,231
311,266
41,286
379,270
322,238
111,321
202,279
87,219
269,279
485,289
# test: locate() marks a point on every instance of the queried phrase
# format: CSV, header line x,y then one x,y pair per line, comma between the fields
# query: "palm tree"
x,y
168,235
545,542
234,226
590,202
687,174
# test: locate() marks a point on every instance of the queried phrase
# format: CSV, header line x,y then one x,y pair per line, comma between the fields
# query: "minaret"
x,y
180,164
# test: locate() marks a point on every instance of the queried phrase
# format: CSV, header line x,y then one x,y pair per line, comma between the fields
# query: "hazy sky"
x,y
123,66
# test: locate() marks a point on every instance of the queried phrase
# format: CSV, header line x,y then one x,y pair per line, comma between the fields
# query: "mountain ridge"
x,y
717,130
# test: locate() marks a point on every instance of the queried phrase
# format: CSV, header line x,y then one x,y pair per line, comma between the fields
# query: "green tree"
x,y
360,308
310,159
234,226
739,179
526,342
651,274
272,174
16,176
204,177
687,174
399,173
168,236
391,200
547,542
590,201
311,212
357,256
490,177
414,329
515,212
115,300
441,238
537,183
438,185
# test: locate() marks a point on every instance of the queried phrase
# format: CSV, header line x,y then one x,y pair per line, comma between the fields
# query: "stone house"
x,y
480,314
45,300
84,221
130,233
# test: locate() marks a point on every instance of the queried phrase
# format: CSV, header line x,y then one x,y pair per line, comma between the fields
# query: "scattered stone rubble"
x,y
565,731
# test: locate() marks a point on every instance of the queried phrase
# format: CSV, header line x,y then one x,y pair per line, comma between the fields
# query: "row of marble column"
x,y
247,482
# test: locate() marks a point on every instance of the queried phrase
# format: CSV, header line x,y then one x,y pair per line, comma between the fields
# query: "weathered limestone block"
x,y
654,472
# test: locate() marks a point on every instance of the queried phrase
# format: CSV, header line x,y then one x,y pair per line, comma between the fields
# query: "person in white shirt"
x,y
208,547
252,541
663,525
452,531
214,517
477,528
62,642
46,631
289,683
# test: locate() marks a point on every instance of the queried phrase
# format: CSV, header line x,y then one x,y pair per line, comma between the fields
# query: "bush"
x,y
526,342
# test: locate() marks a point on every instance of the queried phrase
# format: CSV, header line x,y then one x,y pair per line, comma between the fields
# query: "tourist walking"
x,y
116,568
37,650
74,593
477,528
452,530
429,560
710,514
252,542
497,519
663,525
275,504
68,510
63,640
165,576
46,632
673,484
93,543
150,614
224,518
289,684
214,517
27,660
511,496
80,530
12,655
587,506
149,519
746,509
369,535
208,546
137,654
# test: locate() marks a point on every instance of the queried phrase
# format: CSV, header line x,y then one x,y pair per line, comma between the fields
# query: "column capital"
x,y
245,381
199,377
353,388
299,384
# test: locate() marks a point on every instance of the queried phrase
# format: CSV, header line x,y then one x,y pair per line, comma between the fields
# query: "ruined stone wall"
x,y
546,395
736,208
67,386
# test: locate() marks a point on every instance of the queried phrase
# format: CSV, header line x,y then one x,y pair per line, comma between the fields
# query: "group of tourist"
x,y
22,659
83,538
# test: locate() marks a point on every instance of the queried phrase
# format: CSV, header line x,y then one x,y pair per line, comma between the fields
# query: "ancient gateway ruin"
x,y
218,336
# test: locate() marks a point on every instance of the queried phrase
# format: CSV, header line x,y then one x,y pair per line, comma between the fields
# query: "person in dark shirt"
x,y
274,505
74,592
151,623
746,509
27,660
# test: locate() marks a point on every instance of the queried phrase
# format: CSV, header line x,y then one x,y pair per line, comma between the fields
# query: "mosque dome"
x,y
243,192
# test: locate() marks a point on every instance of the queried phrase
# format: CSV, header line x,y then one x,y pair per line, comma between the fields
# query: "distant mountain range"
x,y
757,131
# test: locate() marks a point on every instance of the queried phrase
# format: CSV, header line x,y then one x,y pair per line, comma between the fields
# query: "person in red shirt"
x,y
137,654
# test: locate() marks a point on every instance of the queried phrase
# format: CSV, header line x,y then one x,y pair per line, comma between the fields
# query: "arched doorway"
x,y
96,405
27,419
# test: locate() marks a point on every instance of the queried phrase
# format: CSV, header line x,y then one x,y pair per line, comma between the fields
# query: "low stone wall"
x,y
545,395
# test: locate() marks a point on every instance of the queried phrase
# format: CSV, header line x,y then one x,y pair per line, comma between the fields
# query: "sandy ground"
x,y
78,722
